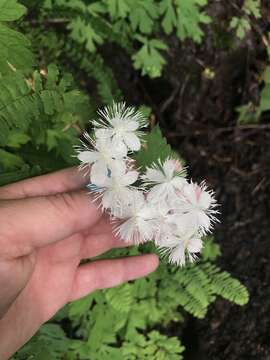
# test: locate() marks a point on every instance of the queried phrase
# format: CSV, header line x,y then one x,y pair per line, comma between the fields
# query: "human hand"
x,y
47,226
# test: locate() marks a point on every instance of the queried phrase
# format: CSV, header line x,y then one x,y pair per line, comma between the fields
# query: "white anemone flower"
x,y
139,224
197,206
168,178
121,124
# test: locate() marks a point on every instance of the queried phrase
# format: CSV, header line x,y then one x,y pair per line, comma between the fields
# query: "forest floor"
x,y
197,113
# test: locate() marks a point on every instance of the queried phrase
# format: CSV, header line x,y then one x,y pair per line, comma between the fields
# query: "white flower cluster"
x,y
159,205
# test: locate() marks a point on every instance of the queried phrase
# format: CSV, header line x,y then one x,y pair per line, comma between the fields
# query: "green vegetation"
x,y
43,111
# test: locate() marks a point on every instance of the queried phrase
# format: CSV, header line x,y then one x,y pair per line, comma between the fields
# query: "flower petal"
x,y
153,175
204,220
132,141
194,244
155,194
88,156
169,168
131,125
103,133
99,174
177,255
118,148
205,200
129,178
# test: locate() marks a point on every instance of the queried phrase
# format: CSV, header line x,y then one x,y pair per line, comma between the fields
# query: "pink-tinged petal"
x,y
129,178
194,245
99,174
189,193
103,133
88,156
132,141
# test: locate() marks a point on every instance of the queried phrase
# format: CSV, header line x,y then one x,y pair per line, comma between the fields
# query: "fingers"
x,y
11,286
108,273
95,245
57,182
80,246
30,223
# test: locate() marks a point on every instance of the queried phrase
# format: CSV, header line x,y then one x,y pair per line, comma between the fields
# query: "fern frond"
x,y
224,285
120,298
23,101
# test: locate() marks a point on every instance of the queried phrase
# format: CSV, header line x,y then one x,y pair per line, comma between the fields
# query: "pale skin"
x,y
48,224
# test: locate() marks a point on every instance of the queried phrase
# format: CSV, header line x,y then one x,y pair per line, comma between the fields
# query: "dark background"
x,y
198,116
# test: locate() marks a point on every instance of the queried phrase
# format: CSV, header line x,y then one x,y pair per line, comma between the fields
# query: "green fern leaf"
x,y
149,58
155,143
224,285
120,298
169,20
189,19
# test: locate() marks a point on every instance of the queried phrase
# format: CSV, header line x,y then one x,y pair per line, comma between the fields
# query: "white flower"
x,y
165,228
197,206
173,213
115,188
103,156
139,225
121,124
184,246
167,178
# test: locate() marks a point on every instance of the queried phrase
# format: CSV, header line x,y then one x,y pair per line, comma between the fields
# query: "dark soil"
x,y
198,116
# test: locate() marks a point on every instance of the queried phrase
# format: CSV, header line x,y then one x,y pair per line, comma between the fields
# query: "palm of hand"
x,y
56,278
45,232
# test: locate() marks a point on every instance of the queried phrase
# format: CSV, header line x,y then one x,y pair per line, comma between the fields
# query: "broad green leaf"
x,y
14,50
11,10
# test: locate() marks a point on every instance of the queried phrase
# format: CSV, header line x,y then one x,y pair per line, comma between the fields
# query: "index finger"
x,y
29,223
57,182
